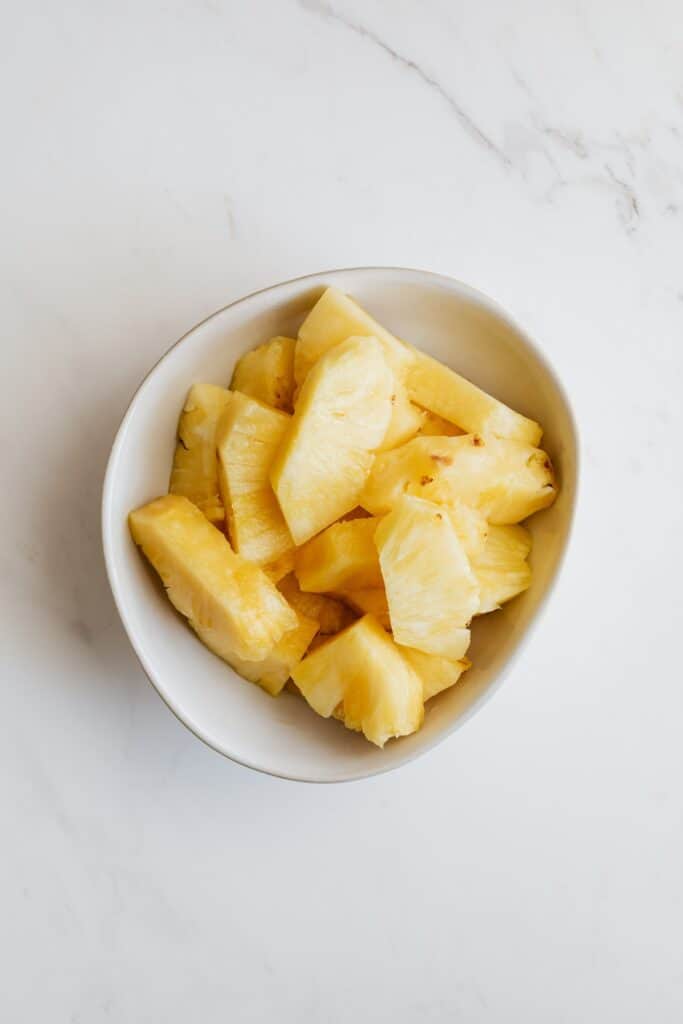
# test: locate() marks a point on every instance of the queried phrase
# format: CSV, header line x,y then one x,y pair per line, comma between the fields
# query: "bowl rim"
x,y
110,562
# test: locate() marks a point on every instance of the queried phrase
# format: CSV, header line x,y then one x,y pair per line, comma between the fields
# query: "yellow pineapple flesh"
x,y
361,676
273,671
406,419
281,567
267,373
501,568
342,557
248,437
230,603
436,674
341,416
195,466
443,391
436,426
431,590
370,601
330,614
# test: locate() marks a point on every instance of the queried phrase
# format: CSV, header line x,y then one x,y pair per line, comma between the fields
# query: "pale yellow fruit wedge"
x,y
370,601
435,426
195,466
342,557
406,419
267,373
438,388
501,568
471,526
330,614
431,590
334,318
273,671
505,480
361,675
230,603
247,438
341,416
436,674
281,567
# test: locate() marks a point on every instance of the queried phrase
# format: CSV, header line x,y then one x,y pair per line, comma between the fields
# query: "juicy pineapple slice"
x,y
342,557
334,318
436,674
230,603
501,568
267,373
431,589
436,426
506,480
273,671
281,567
470,525
438,388
370,601
406,419
362,670
248,437
330,614
341,416
195,467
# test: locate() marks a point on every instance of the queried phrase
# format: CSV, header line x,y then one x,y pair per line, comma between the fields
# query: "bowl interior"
x,y
284,737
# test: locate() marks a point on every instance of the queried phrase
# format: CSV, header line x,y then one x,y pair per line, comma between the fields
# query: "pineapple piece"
x,y
431,589
436,674
502,569
342,557
273,671
267,373
406,419
331,615
505,480
334,318
230,603
248,437
470,525
195,466
435,426
438,388
341,416
280,568
362,670
371,601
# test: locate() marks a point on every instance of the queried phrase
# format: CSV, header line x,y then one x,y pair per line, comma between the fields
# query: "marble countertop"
x,y
161,159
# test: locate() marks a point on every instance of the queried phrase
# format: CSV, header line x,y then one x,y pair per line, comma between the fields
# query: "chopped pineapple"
x,y
406,419
435,426
438,388
195,467
362,670
230,603
431,589
502,569
470,525
273,671
436,674
334,318
330,614
371,601
267,373
342,557
341,416
248,437
281,567
506,480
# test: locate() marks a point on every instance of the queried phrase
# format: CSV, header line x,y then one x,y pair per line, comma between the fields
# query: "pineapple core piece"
x,y
248,437
331,615
341,416
230,603
437,674
273,671
342,557
267,373
438,388
362,677
195,467
505,480
501,568
431,590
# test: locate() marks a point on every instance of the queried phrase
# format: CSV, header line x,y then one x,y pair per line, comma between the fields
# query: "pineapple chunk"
x,y
343,557
501,568
230,603
195,467
334,318
438,388
267,373
406,419
371,601
470,525
281,567
248,437
435,426
362,670
436,674
331,615
506,480
341,417
273,671
431,589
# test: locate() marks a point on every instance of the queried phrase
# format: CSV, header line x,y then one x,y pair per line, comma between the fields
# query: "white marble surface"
x,y
160,159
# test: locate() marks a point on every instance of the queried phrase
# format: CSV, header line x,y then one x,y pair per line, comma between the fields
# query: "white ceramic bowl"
x,y
284,737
